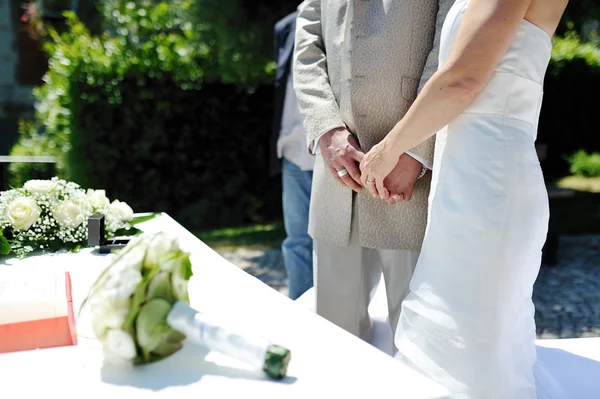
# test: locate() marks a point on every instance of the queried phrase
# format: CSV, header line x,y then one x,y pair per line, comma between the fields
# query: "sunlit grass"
x,y
260,236
578,183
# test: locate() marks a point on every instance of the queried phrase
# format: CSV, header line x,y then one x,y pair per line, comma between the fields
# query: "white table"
x,y
326,361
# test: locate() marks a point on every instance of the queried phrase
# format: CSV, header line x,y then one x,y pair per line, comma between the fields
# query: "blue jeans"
x,y
297,247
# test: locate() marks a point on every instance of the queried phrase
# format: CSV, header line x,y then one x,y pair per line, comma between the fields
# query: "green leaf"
x,y
173,336
180,288
171,341
4,245
130,232
139,297
151,324
185,267
180,277
145,218
165,348
160,287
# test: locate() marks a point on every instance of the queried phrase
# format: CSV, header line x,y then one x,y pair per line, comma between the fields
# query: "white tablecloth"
x,y
326,361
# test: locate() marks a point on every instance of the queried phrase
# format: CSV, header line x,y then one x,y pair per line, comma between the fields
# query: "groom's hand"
x,y
341,152
401,180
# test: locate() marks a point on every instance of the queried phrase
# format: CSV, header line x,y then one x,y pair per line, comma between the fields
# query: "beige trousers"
x,y
345,280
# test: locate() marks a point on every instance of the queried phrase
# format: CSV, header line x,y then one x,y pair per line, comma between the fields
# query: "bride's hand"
x,y
375,166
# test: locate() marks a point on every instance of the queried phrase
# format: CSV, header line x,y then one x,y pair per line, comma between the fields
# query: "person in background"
x,y
288,144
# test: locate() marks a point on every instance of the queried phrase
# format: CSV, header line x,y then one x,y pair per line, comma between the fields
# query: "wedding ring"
x,y
342,172
370,182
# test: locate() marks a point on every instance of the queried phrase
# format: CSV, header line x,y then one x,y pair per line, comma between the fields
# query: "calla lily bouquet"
x,y
140,311
50,215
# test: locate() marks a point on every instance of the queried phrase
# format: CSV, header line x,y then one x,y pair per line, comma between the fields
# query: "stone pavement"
x,y
566,296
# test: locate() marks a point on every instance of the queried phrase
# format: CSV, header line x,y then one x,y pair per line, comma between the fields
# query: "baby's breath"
x,y
57,226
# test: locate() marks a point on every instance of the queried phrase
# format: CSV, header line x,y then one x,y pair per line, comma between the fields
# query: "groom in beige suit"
x,y
358,66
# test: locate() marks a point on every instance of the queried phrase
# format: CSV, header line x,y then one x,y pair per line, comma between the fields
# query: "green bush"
x,y
239,32
197,154
136,113
569,51
584,164
567,121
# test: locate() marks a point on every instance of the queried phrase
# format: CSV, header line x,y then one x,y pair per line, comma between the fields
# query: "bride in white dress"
x,y
468,322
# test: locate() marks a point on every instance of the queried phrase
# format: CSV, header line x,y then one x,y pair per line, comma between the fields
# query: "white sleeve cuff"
x,y
424,162
314,145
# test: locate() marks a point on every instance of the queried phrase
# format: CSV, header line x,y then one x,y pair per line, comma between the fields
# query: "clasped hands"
x,y
386,175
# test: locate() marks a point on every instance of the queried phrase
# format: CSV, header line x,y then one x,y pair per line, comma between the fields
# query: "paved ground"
x,y
567,296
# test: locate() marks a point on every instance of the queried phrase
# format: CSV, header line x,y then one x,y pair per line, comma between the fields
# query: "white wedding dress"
x,y
468,322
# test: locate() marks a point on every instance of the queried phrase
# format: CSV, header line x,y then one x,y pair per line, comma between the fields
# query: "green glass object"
x,y
276,361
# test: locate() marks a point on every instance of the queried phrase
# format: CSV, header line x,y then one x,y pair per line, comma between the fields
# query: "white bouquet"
x,y
140,311
49,215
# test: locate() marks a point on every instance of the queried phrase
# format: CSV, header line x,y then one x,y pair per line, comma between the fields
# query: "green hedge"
x,y
198,154
240,32
134,114
584,164
569,51
568,119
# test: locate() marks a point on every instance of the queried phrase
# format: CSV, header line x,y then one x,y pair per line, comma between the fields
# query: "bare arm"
x,y
485,34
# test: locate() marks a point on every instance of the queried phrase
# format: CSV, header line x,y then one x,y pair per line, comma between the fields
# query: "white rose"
x,y
68,214
23,213
98,198
121,284
108,314
160,246
121,211
130,257
82,201
119,343
39,186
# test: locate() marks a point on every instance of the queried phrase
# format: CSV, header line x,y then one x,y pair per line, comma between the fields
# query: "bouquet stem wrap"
x,y
255,351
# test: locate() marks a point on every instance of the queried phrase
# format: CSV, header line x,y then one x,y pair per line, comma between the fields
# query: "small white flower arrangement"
x,y
50,215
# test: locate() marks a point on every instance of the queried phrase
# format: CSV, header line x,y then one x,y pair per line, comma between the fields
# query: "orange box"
x,y
36,312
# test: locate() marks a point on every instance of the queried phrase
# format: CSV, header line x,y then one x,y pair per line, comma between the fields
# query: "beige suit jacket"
x,y
394,52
